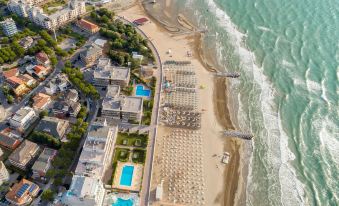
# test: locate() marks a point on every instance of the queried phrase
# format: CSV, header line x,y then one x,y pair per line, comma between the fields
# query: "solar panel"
x,y
32,188
22,190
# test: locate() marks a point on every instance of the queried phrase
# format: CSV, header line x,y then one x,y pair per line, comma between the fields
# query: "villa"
x,y
41,101
43,163
42,59
53,126
22,193
23,118
24,155
10,138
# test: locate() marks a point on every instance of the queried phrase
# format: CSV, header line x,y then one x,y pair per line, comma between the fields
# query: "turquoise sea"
x,y
287,52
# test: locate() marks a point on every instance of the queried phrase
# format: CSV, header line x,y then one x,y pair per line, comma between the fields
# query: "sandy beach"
x,y
222,181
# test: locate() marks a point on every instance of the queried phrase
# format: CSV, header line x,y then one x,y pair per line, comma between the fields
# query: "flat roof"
x,y
105,70
22,113
123,103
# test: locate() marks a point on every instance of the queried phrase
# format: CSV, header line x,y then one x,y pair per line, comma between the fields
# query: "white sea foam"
x,y
327,135
292,192
287,63
262,28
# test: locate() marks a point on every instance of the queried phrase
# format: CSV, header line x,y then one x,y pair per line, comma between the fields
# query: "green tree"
x,y
47,195
43,114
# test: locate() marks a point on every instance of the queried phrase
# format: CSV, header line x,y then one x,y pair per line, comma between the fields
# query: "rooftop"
x,y
92,50
87,25
15,80
53,126
123,103
92,158
105,70
22,113
40,100
84,186
42,56
24,153
19,192
10,73
44,159
9,138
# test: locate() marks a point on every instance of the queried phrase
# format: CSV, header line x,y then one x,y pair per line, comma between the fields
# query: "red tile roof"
x,y
42,56
140,21
39,68
10,73
40,100
87,25
15,80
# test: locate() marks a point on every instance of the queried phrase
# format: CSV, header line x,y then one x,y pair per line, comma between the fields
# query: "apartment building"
x,y
121,107
87,183
24,155
97,152
84,191
23,118
107,74
74,9
91,54
9,27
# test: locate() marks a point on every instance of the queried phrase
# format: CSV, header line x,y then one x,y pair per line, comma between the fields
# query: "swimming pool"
x,y
126,175
142,92
122,202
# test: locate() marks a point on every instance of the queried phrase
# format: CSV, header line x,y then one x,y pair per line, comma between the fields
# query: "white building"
x,y
9,27
125,108
87,183
107,74
97,152
4,175
26,9
84,191
23,118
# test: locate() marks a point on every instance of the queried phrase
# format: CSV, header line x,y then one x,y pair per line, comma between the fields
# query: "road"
x,y
148,166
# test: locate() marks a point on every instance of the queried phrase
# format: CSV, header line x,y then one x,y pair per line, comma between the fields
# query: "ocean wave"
x,y
290,186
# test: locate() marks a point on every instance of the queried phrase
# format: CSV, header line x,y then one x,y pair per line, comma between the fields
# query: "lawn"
x,y
121,155
132,139
53,6
138,156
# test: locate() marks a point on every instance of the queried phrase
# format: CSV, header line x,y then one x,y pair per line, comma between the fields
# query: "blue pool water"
x,y
141,91
126,175
122,202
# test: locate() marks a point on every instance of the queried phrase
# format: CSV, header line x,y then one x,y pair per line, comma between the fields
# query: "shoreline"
x,y
229,192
